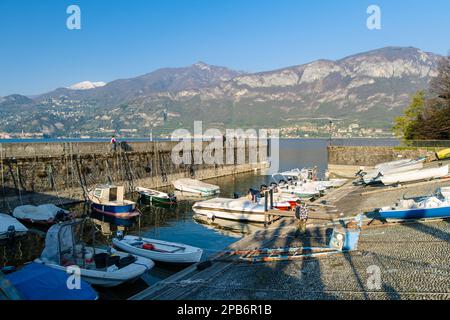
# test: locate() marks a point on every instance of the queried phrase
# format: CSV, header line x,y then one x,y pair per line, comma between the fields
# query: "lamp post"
x,y
331,130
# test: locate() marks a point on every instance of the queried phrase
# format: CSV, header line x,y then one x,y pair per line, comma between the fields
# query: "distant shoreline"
x,y
59,140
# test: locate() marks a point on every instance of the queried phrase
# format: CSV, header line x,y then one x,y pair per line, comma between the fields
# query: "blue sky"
x,y
125,38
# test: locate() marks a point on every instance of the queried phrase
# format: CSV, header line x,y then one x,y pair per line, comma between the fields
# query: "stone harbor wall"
x,y
344,161
41,172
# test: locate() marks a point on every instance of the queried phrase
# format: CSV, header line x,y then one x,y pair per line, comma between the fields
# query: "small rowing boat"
x,y
196,187
149,195
415,175
158,250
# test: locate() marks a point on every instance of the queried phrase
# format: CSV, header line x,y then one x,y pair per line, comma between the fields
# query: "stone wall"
x,y
38,172
370,156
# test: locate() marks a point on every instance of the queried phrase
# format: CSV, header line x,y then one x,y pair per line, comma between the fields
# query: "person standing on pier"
x,y
113,143
301,216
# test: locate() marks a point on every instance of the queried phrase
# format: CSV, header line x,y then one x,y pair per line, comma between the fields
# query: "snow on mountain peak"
x,y
86,85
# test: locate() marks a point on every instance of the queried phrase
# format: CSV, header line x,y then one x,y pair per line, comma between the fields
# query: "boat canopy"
x,y
36,281
60,240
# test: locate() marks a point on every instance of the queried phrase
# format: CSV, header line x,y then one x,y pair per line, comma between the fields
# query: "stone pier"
x,y
33,173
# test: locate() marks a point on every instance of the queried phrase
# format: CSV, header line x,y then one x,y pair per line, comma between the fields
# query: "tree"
x,y
404,125
428,115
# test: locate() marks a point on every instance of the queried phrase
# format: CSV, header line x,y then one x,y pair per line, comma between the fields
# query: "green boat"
x,y
153,196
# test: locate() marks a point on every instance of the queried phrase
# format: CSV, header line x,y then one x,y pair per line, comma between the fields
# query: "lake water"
x,y
177,223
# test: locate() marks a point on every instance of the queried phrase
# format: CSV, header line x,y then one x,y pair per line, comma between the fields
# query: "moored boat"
x,y
109,200
158,250
36,281
45,214
196,187
240,209
154,196
98,266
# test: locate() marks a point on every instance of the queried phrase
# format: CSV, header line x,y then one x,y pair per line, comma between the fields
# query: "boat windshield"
x,y
61,242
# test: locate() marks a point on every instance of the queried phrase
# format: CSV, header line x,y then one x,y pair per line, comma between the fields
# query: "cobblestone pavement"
x,y
413,260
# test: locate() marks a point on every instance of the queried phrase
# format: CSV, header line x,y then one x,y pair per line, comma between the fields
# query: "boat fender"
x,y
204,265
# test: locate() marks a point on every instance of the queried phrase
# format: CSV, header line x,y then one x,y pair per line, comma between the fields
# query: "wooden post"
x,y
265,208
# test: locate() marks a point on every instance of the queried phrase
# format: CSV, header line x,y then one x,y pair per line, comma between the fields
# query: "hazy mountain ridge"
x,y
371,87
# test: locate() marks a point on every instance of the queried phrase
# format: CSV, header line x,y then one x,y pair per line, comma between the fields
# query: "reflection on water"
x,y
176,223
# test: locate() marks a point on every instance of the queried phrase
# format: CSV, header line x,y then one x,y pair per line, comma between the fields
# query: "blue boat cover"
x,y
36,281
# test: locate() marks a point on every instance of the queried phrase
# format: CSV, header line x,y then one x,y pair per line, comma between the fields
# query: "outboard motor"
x,y
61,216
119,234
11,232
172,197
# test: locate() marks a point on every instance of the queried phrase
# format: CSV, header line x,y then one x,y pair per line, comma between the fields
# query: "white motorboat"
x,y
10,227
158,250
415,175
98,266
240,209
43,214
196,187
374,176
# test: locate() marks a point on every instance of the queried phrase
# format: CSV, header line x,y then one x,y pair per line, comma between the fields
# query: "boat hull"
x,y
148,199
418,175
111,279
120,212
187,255
416,213
235,215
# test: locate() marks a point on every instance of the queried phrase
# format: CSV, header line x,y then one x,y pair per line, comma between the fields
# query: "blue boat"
x,y
436,206
36,281
109,200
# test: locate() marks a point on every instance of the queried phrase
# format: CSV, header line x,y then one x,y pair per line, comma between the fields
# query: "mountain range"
x,y
369,88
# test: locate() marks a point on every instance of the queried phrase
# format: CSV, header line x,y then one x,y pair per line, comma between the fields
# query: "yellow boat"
x,y
443,154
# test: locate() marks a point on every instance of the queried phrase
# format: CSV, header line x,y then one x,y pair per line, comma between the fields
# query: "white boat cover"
x,y
7,221
43,212
58,240
429,202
